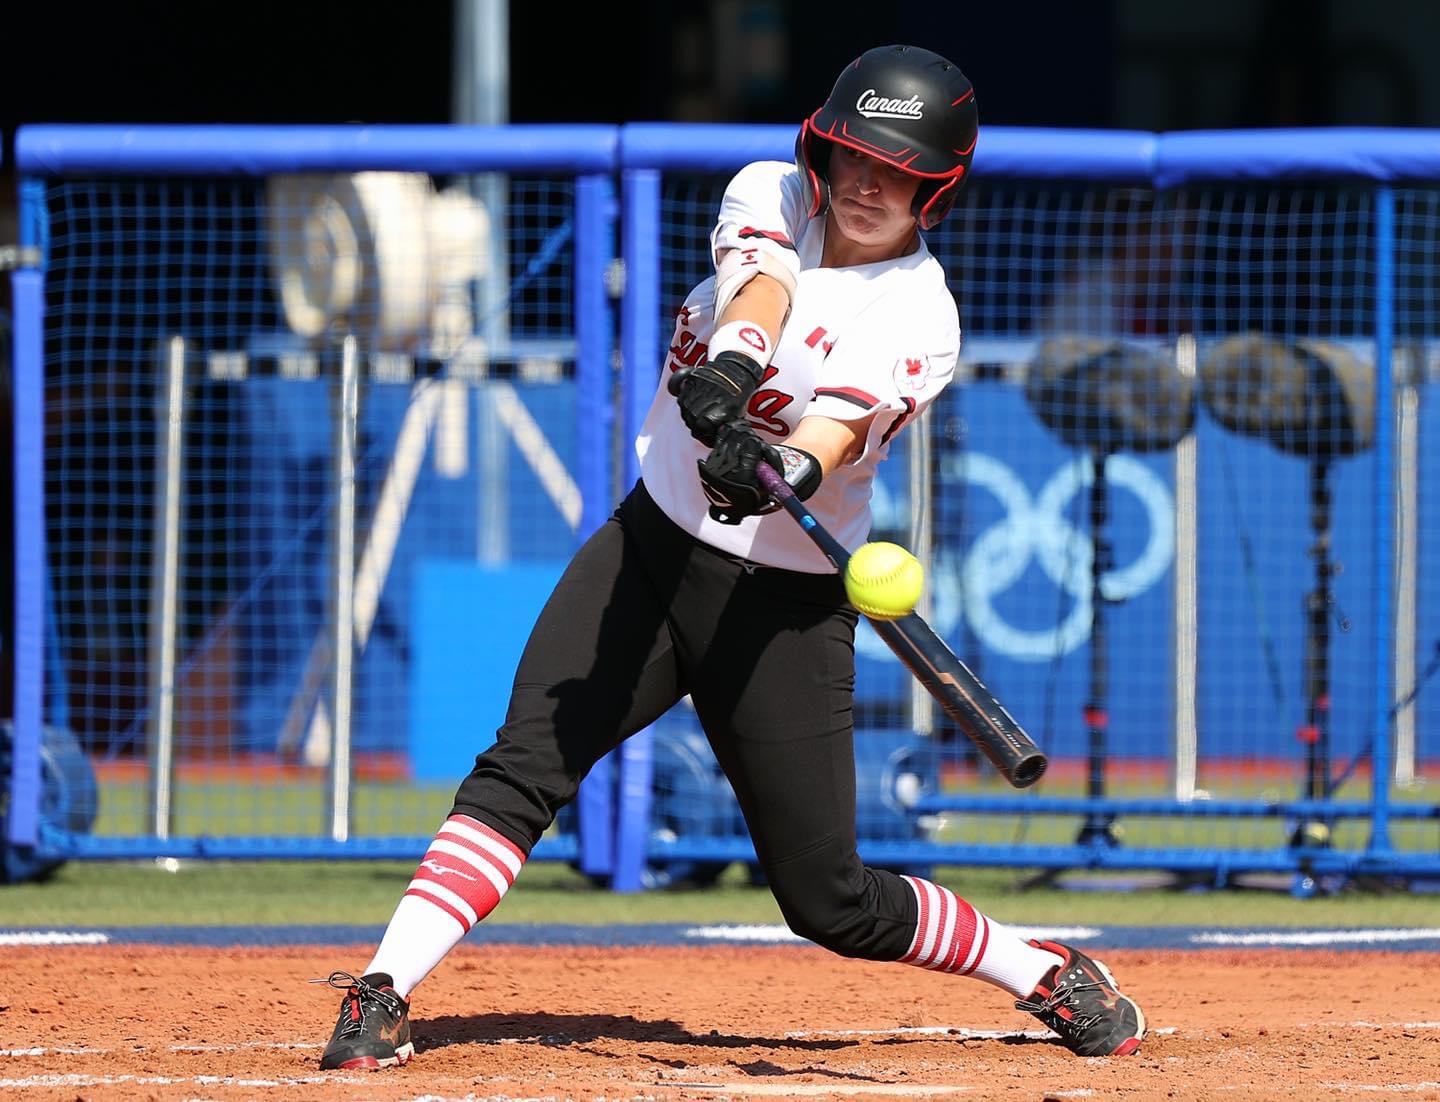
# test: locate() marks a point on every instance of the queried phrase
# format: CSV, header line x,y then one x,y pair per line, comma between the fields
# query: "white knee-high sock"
x,y
952,936
465,873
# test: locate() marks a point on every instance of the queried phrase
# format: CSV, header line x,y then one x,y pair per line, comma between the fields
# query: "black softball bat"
x,y
962,695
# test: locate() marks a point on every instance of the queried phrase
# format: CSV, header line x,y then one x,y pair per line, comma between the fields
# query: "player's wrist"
x,y
800,470
744,339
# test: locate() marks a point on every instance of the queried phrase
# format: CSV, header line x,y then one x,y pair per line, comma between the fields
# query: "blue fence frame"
x,y
633,159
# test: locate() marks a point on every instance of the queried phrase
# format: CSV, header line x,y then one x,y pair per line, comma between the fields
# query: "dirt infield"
x,y
693,1023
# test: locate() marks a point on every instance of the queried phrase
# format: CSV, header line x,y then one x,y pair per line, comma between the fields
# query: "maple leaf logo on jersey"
x,y
911,372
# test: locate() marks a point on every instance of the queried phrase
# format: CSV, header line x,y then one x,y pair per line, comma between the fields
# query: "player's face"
x,y
870,203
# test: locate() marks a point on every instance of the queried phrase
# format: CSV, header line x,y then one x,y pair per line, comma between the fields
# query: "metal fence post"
x,y
1382,579
347,401
640,352
165,589
28,396
594,339
1186,629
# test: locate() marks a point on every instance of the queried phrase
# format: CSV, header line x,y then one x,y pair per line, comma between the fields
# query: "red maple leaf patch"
x,y
911,372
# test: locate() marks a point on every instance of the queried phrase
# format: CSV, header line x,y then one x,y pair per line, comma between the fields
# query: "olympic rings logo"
x,y
1038,530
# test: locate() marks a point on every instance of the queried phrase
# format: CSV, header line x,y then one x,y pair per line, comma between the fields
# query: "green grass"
x,y
240,893
221,809
259,893
298,807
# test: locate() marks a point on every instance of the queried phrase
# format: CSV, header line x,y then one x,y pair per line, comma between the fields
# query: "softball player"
x,y
825,330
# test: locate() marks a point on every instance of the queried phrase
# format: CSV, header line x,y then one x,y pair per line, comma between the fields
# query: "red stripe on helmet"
x,y
861,145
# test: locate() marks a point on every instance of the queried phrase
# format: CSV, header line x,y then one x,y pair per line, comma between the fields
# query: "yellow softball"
x,y
883,580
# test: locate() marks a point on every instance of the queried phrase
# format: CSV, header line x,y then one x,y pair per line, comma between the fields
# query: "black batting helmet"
x,y
902,105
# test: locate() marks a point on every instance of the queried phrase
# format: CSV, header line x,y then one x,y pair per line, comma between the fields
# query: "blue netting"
x,y
1160,497
446,469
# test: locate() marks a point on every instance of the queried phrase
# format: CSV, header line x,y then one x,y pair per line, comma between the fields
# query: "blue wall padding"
x,y
470,626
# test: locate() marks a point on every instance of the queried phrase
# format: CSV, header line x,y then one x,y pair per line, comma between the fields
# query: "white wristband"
x,y
745,337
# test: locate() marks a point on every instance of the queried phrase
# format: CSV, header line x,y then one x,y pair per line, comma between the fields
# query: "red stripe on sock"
x,y
949,951
482,898
959,939
481,853
489,832
984,941
465,923
942,918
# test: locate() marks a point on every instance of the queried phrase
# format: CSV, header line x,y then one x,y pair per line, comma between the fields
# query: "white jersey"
x,y
878,338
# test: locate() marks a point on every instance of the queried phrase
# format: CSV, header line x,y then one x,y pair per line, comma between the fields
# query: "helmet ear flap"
x,y
812,158
933,203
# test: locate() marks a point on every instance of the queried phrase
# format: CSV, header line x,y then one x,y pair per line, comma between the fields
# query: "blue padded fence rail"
x,y
1130,157
1076,805
261,150
262,848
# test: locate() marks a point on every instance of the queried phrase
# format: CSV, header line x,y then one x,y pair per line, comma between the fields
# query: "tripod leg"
x,y
1314,733
1098,828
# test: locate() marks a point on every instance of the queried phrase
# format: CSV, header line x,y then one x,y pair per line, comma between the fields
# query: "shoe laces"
x,y
1063,996
363,995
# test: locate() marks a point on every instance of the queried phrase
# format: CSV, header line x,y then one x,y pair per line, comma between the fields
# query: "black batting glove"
x,y
728,477
715,393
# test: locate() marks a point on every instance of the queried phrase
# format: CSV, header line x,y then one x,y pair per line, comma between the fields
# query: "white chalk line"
x,y
825,1090
54,937
742,1088
1388,1088
77,1080
957,1032
1316,937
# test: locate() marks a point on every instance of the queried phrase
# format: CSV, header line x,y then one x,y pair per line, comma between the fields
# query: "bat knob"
x,y
676,381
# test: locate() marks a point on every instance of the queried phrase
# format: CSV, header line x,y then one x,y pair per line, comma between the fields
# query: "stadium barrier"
x,y
284,394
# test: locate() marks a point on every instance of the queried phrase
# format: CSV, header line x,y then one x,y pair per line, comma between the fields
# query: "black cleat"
x,y
1080,1002
374,1026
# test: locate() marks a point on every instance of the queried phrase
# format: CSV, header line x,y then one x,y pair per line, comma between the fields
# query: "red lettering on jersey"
x,y
687,351
766,405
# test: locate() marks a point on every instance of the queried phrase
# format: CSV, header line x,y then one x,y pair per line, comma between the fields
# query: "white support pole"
x,y
343,600
165,591
1407,580
1186,616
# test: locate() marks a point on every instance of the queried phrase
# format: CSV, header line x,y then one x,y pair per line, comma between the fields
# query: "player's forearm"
x,y
762,302
833,443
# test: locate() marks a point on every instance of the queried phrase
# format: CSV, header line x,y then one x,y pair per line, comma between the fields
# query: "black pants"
x,y
645,614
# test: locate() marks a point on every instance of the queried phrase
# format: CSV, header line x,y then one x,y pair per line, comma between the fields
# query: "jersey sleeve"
x,y
762,208
894,370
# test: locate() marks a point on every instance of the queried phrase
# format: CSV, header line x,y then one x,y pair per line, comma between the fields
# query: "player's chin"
x,y
861,230
867,225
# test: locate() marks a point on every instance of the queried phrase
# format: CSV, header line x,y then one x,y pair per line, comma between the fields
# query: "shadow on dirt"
x,y
576,1029
564,1030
